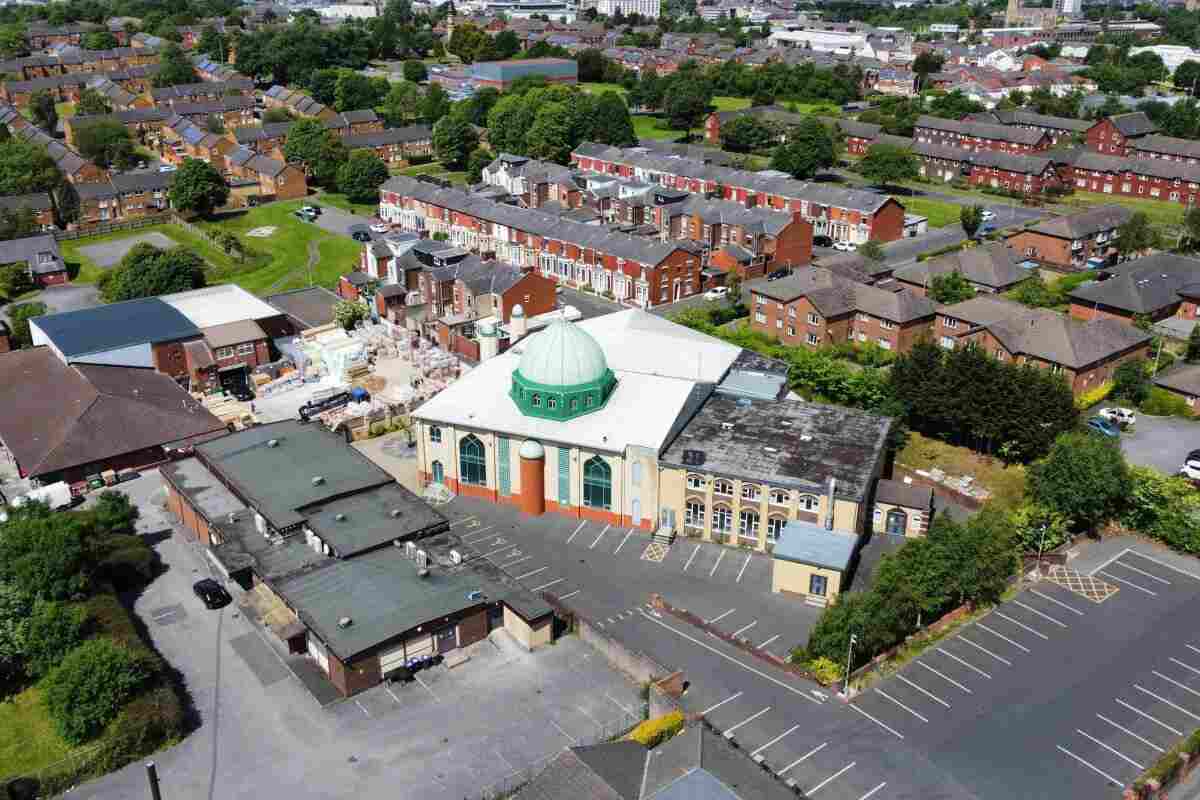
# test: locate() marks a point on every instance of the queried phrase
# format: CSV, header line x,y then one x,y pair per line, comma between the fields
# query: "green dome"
x,y
562,355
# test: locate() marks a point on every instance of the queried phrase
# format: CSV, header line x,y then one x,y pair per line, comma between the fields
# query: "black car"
x,y
361,236
782,272
822,241
212,593
243,394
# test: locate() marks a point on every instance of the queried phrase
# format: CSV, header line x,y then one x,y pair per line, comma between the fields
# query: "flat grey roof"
x,y
807,543
369,519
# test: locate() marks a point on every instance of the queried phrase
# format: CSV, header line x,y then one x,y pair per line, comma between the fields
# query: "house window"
x,y
812,339
748,526
813,319
536,401
779,497
551,402
791,330
751,492
693,515
886,324
245,348
774,528
723,488
947,342
760,317
722,519
809,503
696,482
472,467
435,434
597,483
817,585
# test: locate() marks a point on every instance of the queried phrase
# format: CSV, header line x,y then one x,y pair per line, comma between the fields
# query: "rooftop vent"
x,y
805,437
728,426
693,458
771,449
395,513
272,443
345,622
317,480
340,517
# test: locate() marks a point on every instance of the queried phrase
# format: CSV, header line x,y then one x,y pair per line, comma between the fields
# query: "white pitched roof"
x,y
635,341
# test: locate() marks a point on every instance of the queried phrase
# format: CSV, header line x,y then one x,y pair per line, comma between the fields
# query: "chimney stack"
x,y
829,504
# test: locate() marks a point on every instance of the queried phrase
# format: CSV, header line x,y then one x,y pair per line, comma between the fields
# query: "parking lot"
x,y
1160,442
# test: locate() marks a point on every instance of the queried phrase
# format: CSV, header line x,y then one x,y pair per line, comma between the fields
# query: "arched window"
x,y
748,526
897,522
439,473
435,434
774,528
722,519
809,503
751,492
537,401
779,497
723,487
574,403
597,483
696,482
472,466
551,402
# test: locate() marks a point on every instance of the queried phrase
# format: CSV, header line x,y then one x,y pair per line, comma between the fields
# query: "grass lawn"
x,y
1166,216
597,88
338,200
730,103
939,212
433,168
90,272
28,740
653,127
1007,484
65,109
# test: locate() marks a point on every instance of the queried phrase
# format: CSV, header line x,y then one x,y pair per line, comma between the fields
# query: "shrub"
x,y
378,428
55,629
91,685
1091,398
114,513
825,671
126,560
1162,403
654,732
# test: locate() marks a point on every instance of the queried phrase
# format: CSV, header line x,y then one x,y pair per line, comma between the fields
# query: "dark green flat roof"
x,y
369,519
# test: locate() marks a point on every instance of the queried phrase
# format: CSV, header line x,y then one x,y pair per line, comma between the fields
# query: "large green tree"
x,y
42,108
745,134
1137,235
90,686
687,103
402,105
950,287
197,187
888,165
107,143
99,40
435,104
1084,477
361,176
148,271
18,322
174,68
971,219
453,141
809,148
92,102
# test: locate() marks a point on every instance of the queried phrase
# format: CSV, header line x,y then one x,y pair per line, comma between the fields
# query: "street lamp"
x,y
1041,547
849,655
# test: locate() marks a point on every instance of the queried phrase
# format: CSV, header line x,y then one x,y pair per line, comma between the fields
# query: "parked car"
x,y
1191,466
361,236
1123,417
381,227
307,216
845,247
822,241
989,214
313,210
212,593
1104,427
167,167
717,293
782,272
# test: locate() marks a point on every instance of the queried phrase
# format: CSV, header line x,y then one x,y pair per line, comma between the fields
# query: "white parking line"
x,y
1141,572
743,629
514,562
999,635
713,571
966,664
1111,560
1155,720
362,708
1131,584
944,677
1164,564
535,572
491,553
1176,683
1193,649
750,718
599,537
577,530
1186,666
768,641
545,585
1092,767
743,569
1022,625
773,741
458,522
837,774
1175,706
897,702
804,757
720,617
983,649
925,692
890,730
1074,611
393,694
1112,750
689,561
623,541
873,791
569,596
425,686
1125,730
1033,610
621,706
563,732
475,535
718,705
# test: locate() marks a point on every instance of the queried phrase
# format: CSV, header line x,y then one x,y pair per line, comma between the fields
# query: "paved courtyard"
x,y
1160,442
108,254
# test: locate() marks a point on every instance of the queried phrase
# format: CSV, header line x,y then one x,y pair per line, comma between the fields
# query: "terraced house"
x,y
1116,135
979,136
296,102
1059,129
1078,241
1147,178
1026,174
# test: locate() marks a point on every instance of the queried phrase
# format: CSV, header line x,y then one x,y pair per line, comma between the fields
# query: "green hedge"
x,y
1167,768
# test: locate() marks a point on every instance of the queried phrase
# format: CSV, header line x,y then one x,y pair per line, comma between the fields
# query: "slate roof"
x,y
1020,117
389,136
231,333
981,130
310,308
994,265
1009,162
55,416
1184,378
725,212
92,330
1084,159
1154,143
899,493
38,201
833,296
1143,286
133,115
1133,124
30,249
1086,223
772,113
809,543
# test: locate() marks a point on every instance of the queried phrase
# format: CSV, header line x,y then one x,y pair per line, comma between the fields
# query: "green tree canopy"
x,y
414,71
42,107
402,105
107,143
18,322
1084,477
90,686
971,219
808,149
147,271
92,102
174,68
949,288
361,176
886,164
55,628
198,187
1132,382
453,141
43,554
99,40
746,134
1136,235
479,159
435,104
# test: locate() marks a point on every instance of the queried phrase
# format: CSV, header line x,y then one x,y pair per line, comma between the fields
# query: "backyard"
x,y
1007,483
939,212
434,168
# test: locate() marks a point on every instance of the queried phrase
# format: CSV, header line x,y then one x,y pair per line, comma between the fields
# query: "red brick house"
x,y
1069,243
37,204
992,267
1116,135
771,115
1146,178
1157,287
1059,129
1026,174
41,257
979,136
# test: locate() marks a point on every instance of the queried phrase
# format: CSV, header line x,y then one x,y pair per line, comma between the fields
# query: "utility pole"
x,y
152,776
1041,547
845,683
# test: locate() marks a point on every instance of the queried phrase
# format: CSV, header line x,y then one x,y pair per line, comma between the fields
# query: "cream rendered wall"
x,y
788,576
646,490
528,636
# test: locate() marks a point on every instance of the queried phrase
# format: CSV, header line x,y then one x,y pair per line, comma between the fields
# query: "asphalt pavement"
x,y
68,297
589,304
1160,442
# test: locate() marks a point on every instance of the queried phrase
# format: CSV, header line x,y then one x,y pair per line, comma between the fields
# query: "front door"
x,y
446,639
897,522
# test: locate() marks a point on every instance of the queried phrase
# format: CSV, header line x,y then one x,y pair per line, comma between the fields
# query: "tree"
x,y
276,115
480,158
26,167
332,154
746,134
475,108
1132,381
55,629
107,143
971,219
1192,356
354,91
198,187
15,280
402,105
1187,75
92,102
888,165
361,176
435,105
453,141
322,83
42,554
90,686
591,65
42,108
950,287
15,608
99,40
174,68
928,62
348,313
1136,235
1084,477
18,322
687,102
550,136
506,44
809,148
113,512
13,41
213,44
415,72
872,251
147,271
615,125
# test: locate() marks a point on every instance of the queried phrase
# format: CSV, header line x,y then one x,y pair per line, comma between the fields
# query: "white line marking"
x,y
393,694
743,629
721,616
983,649
1177,683
583,711
1141,739
563,732
598,538
491,553
624,708
1022,625
1141,572
1165,564
505,760
544,585
743,569
750,718
1110,576
1112,750
1193,649
831,777
623,541
944,677
458,522
718,705
873,791
610,620
1046,617
747,667
897,702
714,569
1186,666
812,752
577,530
569,596
362,708
1111,560
773,741
1155,720
890,730
768,641
1168,702
426,687
1093,768
475,534
999,635
689,561
514,562
1074,611
966,664
535,572
925,692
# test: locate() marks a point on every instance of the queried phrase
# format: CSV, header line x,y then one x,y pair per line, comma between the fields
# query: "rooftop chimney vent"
x,y
345,622
272,443
317,480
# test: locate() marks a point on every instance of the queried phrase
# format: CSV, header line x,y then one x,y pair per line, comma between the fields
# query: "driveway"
x,y
108,254
337,221
70,297
1160,442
